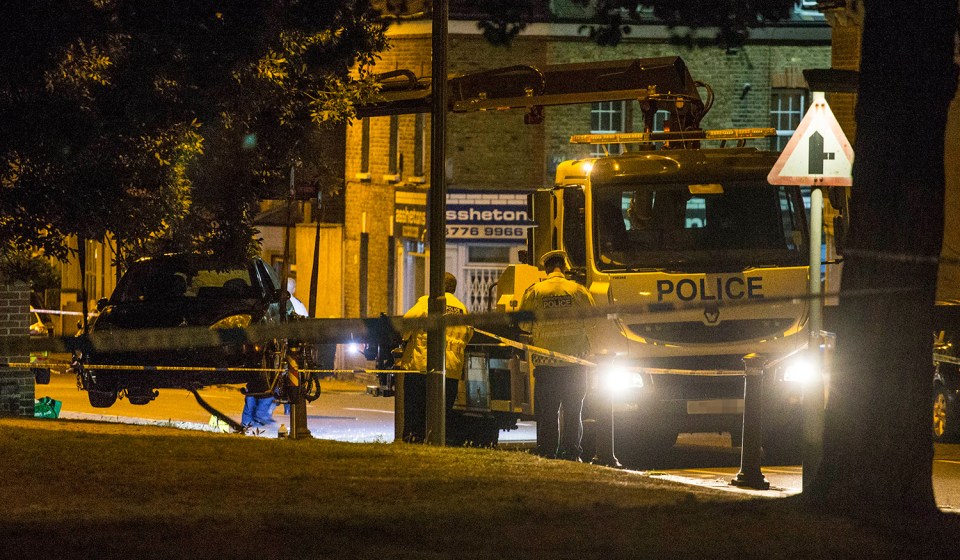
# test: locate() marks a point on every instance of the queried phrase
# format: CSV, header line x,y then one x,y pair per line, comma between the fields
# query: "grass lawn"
x,y
92,490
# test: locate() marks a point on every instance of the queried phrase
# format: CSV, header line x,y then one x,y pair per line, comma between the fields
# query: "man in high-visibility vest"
x,y
415,359
558,383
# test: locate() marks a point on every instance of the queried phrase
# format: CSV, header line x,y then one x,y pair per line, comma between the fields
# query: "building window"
x,y
660,120
479,254
787,107
607,117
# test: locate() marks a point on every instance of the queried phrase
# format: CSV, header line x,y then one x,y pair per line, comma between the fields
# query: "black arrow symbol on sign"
x,y
817,155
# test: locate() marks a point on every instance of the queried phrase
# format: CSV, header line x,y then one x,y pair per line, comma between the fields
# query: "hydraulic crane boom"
x,y
661,83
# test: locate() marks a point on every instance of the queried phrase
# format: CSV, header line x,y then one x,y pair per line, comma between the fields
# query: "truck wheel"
x,y
634,446
944,423
489,434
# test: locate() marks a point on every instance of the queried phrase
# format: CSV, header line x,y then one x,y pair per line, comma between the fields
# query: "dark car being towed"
x,y
177,291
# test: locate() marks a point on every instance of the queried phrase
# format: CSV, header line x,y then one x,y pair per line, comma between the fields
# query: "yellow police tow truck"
x,y
704,261
706,258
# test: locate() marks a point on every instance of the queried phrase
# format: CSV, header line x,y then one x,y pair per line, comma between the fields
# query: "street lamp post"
x,y
436,336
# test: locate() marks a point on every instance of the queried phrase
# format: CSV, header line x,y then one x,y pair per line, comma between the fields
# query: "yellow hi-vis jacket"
x,y
415,353
567,336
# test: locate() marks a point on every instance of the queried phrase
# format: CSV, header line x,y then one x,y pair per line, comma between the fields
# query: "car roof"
x,y
192,262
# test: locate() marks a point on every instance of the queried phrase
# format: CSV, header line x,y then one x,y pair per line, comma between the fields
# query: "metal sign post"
x,y
813,399
818,154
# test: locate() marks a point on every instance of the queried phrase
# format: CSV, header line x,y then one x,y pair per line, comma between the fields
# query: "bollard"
x,y
298,406
298,418
750,475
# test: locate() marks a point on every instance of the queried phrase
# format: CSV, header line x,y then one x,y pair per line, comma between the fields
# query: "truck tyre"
x,y
489,435
944,417
634,446
472,431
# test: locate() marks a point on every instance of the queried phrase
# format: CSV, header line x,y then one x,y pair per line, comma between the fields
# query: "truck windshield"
x,y
698,227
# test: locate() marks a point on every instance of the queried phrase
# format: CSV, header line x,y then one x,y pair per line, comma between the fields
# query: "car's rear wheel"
x,y
101,398
944,421
100,392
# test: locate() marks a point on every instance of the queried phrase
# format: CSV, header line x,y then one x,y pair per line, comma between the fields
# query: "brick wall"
x,y
16,385
496,150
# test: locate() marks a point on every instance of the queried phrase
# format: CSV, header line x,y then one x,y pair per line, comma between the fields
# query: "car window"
x,y
269,272
154,281
220,284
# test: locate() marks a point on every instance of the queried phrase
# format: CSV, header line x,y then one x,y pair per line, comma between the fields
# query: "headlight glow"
x,y
617,378
354,348
800,371
241,321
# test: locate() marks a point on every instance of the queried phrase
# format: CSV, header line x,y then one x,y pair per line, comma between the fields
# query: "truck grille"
x,y
695,332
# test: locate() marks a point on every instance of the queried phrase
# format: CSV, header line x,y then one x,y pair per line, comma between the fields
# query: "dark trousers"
x,y
415,406
559,387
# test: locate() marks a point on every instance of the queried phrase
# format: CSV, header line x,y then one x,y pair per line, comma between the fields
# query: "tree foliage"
x,y
732,19
162,123
607,22
610,20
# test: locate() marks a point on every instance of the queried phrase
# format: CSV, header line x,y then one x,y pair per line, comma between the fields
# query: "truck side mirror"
x,y
102,304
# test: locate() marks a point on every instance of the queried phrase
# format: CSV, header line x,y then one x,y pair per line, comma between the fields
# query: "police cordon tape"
x,y
211,369
58,312
537,350
512,343
343,331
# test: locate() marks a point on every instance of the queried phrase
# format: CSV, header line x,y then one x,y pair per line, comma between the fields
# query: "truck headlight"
x,y
800,371
616,379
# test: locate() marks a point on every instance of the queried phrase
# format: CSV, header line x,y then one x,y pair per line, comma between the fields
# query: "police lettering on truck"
x,y
715,289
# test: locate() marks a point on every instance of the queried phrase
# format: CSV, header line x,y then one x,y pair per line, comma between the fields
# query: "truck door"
x,y
574,226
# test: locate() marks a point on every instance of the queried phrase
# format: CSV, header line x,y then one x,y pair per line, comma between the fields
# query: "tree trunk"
x,y
878,451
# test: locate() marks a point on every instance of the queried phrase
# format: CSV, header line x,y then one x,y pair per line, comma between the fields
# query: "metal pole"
x,y
364,265
315,269
285,271
436,337
813,400
750,475
391,272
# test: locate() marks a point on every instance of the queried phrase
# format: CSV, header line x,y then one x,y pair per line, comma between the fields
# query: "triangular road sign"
x,y
818,153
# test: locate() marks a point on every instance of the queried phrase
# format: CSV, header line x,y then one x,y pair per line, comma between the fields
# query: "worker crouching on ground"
x,y
559,384
415,359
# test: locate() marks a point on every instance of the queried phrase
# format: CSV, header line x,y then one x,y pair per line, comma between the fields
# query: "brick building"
x,y
494,159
